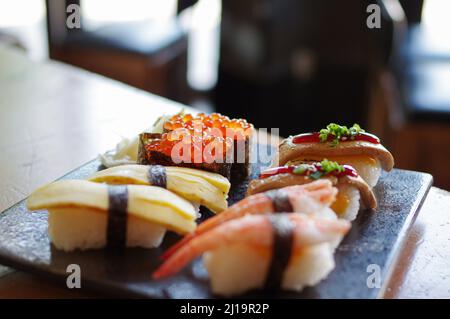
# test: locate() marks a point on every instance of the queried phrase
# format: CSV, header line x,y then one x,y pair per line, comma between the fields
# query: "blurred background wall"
x,y
290,64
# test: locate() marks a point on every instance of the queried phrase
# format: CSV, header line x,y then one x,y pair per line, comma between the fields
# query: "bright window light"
x,y
204,42
14,13
436,23
96,12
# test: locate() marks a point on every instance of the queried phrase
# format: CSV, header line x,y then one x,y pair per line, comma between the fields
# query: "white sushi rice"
x,y
354,197
236,269
309,268
74,228
370,173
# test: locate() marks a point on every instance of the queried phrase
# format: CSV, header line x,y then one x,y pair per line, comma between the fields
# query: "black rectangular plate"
x,y
375,239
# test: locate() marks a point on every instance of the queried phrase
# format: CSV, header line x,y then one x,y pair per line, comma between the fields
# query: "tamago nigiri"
x,y
87,215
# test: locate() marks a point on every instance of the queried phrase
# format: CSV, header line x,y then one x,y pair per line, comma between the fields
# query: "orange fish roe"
x,y
200,147
214,124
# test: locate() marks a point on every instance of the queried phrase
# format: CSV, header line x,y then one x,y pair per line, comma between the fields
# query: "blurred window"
x,y
98,12
25,21
14,13
203,22
436,24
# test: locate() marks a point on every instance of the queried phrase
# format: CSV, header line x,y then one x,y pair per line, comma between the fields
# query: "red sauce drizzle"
x,y
348,171
314,138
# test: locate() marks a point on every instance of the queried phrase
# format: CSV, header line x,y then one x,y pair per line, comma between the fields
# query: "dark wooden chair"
x,y
147,55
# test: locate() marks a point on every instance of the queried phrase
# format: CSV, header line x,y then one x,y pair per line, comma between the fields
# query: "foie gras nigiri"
x,y
201,187
352,146
352,189
271,251
86,215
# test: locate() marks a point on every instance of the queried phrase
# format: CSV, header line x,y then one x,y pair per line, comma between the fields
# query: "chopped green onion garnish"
x,y
329,166
338,131
300,169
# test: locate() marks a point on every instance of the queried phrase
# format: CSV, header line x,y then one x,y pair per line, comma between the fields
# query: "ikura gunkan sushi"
x,y
313,199
214,143
351,146
201,187
352,189
288,251
238,130
87,215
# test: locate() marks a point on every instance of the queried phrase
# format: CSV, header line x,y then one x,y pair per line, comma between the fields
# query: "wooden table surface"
x,y
54,118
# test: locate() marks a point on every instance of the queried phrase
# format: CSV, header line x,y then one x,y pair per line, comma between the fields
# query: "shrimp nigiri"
x,y
287,251
313,198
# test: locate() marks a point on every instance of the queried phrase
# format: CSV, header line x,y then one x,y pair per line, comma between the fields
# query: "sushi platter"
x,y
326,218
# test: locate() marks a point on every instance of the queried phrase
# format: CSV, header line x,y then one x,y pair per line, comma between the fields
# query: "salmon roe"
x,y
199,148
215,124
208,137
